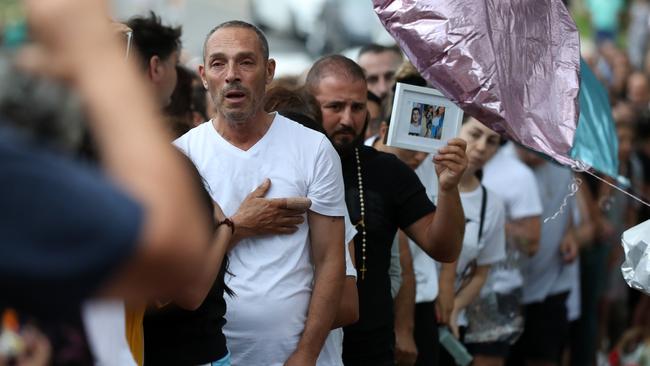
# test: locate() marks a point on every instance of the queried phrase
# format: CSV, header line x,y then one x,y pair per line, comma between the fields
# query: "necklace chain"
x,y
362,221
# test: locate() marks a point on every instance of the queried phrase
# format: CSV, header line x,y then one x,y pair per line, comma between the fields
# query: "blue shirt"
x,y
64,228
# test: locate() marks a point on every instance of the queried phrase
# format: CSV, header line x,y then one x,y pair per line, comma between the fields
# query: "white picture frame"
x,y
436,125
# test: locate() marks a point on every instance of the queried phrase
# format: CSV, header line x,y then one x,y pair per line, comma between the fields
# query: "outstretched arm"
x,y
440,234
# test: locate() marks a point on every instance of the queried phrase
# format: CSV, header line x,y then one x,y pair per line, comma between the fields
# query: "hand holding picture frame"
x,y
422,119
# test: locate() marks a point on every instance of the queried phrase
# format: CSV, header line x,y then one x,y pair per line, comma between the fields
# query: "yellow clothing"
x,y
134,315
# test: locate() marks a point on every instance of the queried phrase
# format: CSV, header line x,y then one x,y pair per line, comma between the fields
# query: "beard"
x,y
345,139
238,114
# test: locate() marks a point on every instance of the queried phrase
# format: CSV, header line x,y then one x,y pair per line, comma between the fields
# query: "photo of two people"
x,y
426,120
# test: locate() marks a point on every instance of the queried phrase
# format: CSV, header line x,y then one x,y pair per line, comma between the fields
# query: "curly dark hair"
x,y
152,38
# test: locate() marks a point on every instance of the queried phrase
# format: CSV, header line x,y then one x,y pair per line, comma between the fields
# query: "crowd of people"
x,y
220,216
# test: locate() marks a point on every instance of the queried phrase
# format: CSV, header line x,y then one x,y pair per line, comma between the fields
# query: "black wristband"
x,y
228,222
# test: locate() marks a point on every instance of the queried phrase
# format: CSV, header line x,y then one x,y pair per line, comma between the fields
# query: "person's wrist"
x,y
404,329
448,190
307,353
226,222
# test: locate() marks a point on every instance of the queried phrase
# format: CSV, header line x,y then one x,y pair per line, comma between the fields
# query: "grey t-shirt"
x,y
545,273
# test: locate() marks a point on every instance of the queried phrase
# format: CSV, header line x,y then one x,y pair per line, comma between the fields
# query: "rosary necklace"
x,y
362,221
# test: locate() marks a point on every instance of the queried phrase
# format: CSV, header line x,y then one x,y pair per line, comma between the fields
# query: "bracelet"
x,y
228,222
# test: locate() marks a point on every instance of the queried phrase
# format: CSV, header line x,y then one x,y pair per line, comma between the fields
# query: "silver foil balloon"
x,y
512,64
636,268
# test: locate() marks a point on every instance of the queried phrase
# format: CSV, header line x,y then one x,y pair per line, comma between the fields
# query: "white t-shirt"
x,y
106,330
514,182
371,140
272,275
492,246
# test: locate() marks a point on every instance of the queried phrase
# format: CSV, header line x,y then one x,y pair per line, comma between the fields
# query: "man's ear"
x,y
270,71
204,81
155,69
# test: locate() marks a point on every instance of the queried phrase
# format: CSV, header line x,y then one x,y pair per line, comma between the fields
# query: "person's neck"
x,y
379,144
243,134
468,182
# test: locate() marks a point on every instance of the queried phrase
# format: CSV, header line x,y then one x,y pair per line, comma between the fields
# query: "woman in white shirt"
x,y
484,242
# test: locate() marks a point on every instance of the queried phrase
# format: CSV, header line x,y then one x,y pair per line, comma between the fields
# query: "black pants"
x,y
426,334
546,329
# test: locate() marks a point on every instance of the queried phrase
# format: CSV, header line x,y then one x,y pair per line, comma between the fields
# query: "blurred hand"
x,y
406,353
66,34
569,248
261,216
451,163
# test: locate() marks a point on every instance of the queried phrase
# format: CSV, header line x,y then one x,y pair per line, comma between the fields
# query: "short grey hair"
x,y
264,43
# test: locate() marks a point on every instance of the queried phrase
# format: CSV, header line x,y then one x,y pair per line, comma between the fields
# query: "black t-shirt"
x,y
178,337
394,198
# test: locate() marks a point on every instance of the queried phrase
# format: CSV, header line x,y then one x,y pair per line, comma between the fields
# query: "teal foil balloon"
x,y
595,142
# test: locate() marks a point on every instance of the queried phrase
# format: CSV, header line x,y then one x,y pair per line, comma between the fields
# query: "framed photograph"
x,y
422,119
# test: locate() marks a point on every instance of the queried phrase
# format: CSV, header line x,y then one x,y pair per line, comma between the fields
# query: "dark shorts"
x,y
490,349
426,334
546,330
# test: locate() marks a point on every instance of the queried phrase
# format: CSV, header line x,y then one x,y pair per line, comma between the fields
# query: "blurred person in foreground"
x,y
286,278
135,230
382,195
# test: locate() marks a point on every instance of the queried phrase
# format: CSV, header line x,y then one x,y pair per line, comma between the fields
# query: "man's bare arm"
x,y
326,236
446,292
440,234
348,312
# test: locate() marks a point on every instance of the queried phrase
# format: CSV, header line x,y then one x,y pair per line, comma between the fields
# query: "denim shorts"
x,y
225,361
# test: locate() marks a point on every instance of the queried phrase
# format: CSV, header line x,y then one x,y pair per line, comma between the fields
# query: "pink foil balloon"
x,y
512,64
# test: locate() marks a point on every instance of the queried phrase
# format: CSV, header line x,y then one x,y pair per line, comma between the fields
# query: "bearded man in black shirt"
x,y
382,195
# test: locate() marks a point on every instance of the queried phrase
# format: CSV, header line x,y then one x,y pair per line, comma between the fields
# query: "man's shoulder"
x,y
197,131
299,133
192,137
508,169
